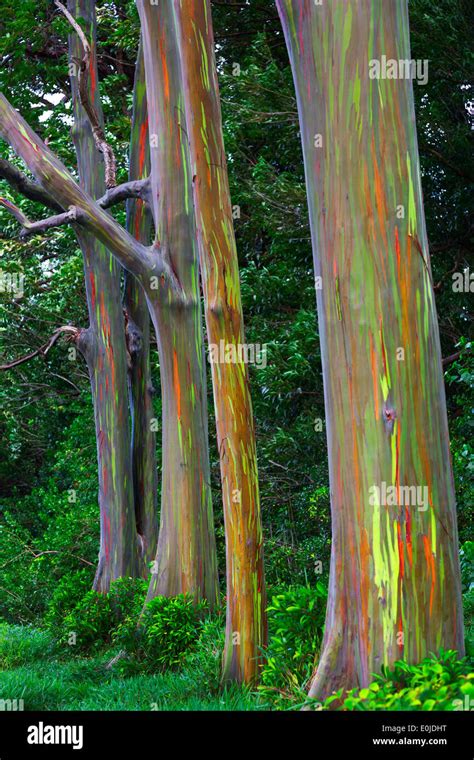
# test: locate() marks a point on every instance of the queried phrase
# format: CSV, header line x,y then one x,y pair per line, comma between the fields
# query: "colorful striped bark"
x,y
145,475
103,344
186,555
394,581
246,625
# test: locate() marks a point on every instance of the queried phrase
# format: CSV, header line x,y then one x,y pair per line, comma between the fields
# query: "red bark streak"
x,y
400,630
401,554
104,479
166,80
380,201
92,281
92,74
142,147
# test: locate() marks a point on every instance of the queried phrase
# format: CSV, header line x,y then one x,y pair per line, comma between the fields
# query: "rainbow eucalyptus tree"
x,y
103,344
245,626
186,556
145,474
168,274
394,588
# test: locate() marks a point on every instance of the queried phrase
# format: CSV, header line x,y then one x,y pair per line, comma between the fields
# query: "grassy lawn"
x,y
33,669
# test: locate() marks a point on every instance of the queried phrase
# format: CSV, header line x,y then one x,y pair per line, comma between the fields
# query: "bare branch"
x,y
43,350
138,188
132,189
97,130
454,168
142,261
25,186
447,360
32,228
77,28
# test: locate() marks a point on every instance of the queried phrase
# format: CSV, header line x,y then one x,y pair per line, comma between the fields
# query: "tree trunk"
x,y
186,556
103,344
246,624
145,474
394,588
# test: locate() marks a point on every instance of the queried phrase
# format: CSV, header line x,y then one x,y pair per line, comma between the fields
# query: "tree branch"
x,y
447,360
25,186
138,188
142,261
133,189
32,228
456,169
53,176
43,350
97,130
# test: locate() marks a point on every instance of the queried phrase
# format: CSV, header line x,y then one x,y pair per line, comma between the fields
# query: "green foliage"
x,y
67,594
460,386
90,623
95,618
436,683
466,558
23,645
468,608
168,629
302,562
296,622
205,658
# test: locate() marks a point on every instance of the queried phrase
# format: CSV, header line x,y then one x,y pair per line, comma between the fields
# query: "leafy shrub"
x,y
44,536
168,629
468,607
466,558
67,594
89,623
296,622
436,683
127,597
205,658
23,595
96,617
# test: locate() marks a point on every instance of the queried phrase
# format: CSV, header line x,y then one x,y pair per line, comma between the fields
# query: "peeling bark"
x,y
186,555
145,474
394,582
103,345
246,624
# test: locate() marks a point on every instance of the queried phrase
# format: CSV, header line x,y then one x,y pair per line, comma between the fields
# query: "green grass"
x,y
46,677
